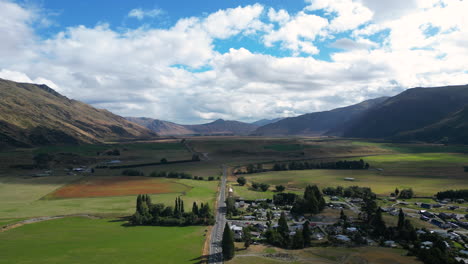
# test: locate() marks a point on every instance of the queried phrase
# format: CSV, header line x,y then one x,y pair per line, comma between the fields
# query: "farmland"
x,y
118,186
323,255
426,173
82,240
109,195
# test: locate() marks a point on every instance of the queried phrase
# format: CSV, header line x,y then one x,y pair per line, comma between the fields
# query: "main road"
x,y
216,255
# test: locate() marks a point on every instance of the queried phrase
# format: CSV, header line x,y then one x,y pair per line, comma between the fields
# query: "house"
x,y
453,207
317,236
237,230
255,234
261,227
356,200
421,232
436,205
445,216
427,214
343,238
351,229
426,244
334,198
426,205
249,217
390,243
424,218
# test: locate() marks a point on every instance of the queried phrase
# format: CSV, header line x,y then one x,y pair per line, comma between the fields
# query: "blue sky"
x,y
196,61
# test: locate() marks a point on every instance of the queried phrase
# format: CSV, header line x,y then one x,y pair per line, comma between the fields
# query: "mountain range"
x,y
218,127
319,123
437,114
32,115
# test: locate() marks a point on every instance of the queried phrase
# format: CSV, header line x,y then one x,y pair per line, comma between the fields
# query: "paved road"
x,y
217,232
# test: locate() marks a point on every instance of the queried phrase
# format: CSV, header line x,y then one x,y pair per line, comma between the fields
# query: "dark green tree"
x,y
343,216
195,208
283,228
401,220
298,240
306,234
280,188
247,237
241,181
227,243
378,223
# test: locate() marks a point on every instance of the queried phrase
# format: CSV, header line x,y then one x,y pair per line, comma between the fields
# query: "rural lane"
x,y
216,255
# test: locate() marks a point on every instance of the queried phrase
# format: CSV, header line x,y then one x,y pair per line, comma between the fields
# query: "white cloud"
x,y
226,23
23,78
298,34
349,14
349,44
140,14
281,16
135,72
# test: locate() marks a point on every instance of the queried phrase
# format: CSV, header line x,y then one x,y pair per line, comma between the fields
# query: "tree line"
x,y
453,194
305,165
350,192
158,214
178,175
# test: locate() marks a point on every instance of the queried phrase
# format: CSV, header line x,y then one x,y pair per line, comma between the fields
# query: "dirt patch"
x,y
117,186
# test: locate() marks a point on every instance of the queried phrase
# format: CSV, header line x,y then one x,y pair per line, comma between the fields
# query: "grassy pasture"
x,y
21,197
81,240
380,184
324,255
426,173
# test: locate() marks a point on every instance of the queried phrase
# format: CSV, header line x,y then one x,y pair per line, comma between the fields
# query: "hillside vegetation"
x,y
432,113
33,114
319,123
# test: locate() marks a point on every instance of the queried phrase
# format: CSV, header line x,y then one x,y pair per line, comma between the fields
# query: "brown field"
x,y
117,186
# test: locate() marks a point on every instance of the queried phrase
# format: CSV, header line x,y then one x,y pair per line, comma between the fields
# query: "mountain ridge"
x,y
35,114
217,127
317,123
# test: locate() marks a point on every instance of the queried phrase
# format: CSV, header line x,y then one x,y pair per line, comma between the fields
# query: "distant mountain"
x,y
319,123
428,110
218,127
32,114
264,122
161,127
451,129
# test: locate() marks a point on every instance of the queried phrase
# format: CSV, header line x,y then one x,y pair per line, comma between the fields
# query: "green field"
x,y
82,240
426,173
21,197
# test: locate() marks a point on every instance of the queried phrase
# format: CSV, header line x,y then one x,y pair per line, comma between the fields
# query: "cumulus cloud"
x,y
178,74
349,44
349,14
298,34
140,14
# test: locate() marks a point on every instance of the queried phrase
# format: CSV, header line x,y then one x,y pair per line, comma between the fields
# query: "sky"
x,y
196,61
